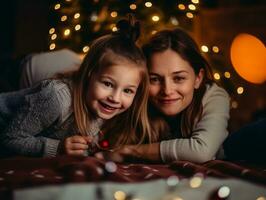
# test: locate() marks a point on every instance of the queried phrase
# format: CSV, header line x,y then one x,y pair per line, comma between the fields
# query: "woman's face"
x,y
172,82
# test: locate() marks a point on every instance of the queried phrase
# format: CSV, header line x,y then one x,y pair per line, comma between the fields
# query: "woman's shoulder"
x,y
213,90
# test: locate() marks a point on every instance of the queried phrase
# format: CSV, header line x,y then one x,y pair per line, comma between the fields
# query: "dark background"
x,y
25,24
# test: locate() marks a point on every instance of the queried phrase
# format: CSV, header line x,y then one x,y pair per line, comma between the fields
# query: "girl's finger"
x,y
76,152
78,139
78,146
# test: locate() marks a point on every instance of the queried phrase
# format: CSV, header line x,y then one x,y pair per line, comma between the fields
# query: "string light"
x,y
133,6
240,90
204,48
195,1
77,15
181,6
215,49
234,104
114,29
52,46
153,32
174,21
217,76
85,49
67,32
77,27
51,31
155,18
227,74
120,195
113,14
148,4
57,6
192,7
189,15
63,18
94,17
53,37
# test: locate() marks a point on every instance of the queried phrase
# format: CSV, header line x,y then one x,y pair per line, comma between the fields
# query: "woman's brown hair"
x,y
181,42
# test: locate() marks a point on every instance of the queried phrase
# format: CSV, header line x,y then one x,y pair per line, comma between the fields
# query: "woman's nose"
x,y
167,88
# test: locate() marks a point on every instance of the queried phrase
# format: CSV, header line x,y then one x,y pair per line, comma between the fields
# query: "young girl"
x,y
188,111
107,95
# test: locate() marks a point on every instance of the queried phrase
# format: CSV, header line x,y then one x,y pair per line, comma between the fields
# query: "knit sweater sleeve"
x,y
208,134
24,134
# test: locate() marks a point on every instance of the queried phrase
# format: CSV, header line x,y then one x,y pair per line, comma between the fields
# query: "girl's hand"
x,y
76,145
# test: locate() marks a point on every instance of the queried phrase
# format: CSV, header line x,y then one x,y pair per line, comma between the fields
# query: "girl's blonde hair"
x,y
180,42
131,126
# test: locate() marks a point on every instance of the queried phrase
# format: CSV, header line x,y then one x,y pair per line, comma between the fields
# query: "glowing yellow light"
x,y
234,104
114,29
120,195
52,30
63,18
94,17
68,0
86,49
52,46
174,21
67,32
113,14
261,198
195,182
77,27
148,4
133,6
217,76
215,49
53,37
240,90
204,48
57,6
155,18
153,32
181,6
189,15
195,1
192,7
77,15
227,74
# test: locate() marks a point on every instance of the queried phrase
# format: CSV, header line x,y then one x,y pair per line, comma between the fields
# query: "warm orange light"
x,y
248,56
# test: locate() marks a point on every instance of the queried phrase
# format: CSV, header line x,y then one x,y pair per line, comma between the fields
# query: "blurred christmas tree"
x,y
74,23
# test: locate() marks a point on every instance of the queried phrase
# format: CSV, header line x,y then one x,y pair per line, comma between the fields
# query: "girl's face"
x,y
112,89
172,82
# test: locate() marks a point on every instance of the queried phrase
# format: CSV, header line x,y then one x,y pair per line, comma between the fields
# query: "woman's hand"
x,y
75,145
132,153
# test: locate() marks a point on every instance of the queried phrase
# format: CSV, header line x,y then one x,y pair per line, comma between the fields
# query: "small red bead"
x,y
104,144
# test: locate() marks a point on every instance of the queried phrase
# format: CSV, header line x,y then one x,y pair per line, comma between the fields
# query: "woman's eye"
x,y
154,80
178,79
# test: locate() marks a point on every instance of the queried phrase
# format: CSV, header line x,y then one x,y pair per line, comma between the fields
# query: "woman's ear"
x,y
199,78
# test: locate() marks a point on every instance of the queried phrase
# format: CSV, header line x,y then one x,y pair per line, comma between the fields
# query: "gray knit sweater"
x,y
34,120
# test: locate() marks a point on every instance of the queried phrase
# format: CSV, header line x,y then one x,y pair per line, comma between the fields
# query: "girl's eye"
x,y
107,84
129,91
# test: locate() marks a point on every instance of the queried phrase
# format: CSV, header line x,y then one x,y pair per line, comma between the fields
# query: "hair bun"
x,y
129,28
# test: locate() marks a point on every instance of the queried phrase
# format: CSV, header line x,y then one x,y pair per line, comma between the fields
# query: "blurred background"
x,y
230,33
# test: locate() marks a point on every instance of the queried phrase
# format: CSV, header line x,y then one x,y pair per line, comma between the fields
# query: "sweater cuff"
x,y
50,147
167,151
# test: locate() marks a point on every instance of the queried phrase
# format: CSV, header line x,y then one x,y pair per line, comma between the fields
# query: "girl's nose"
x,y
114,97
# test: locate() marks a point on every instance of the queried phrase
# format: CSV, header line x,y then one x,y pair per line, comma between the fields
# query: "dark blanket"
x,y
23,172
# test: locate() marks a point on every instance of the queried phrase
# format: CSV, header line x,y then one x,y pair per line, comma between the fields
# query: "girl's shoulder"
x,y
59,91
